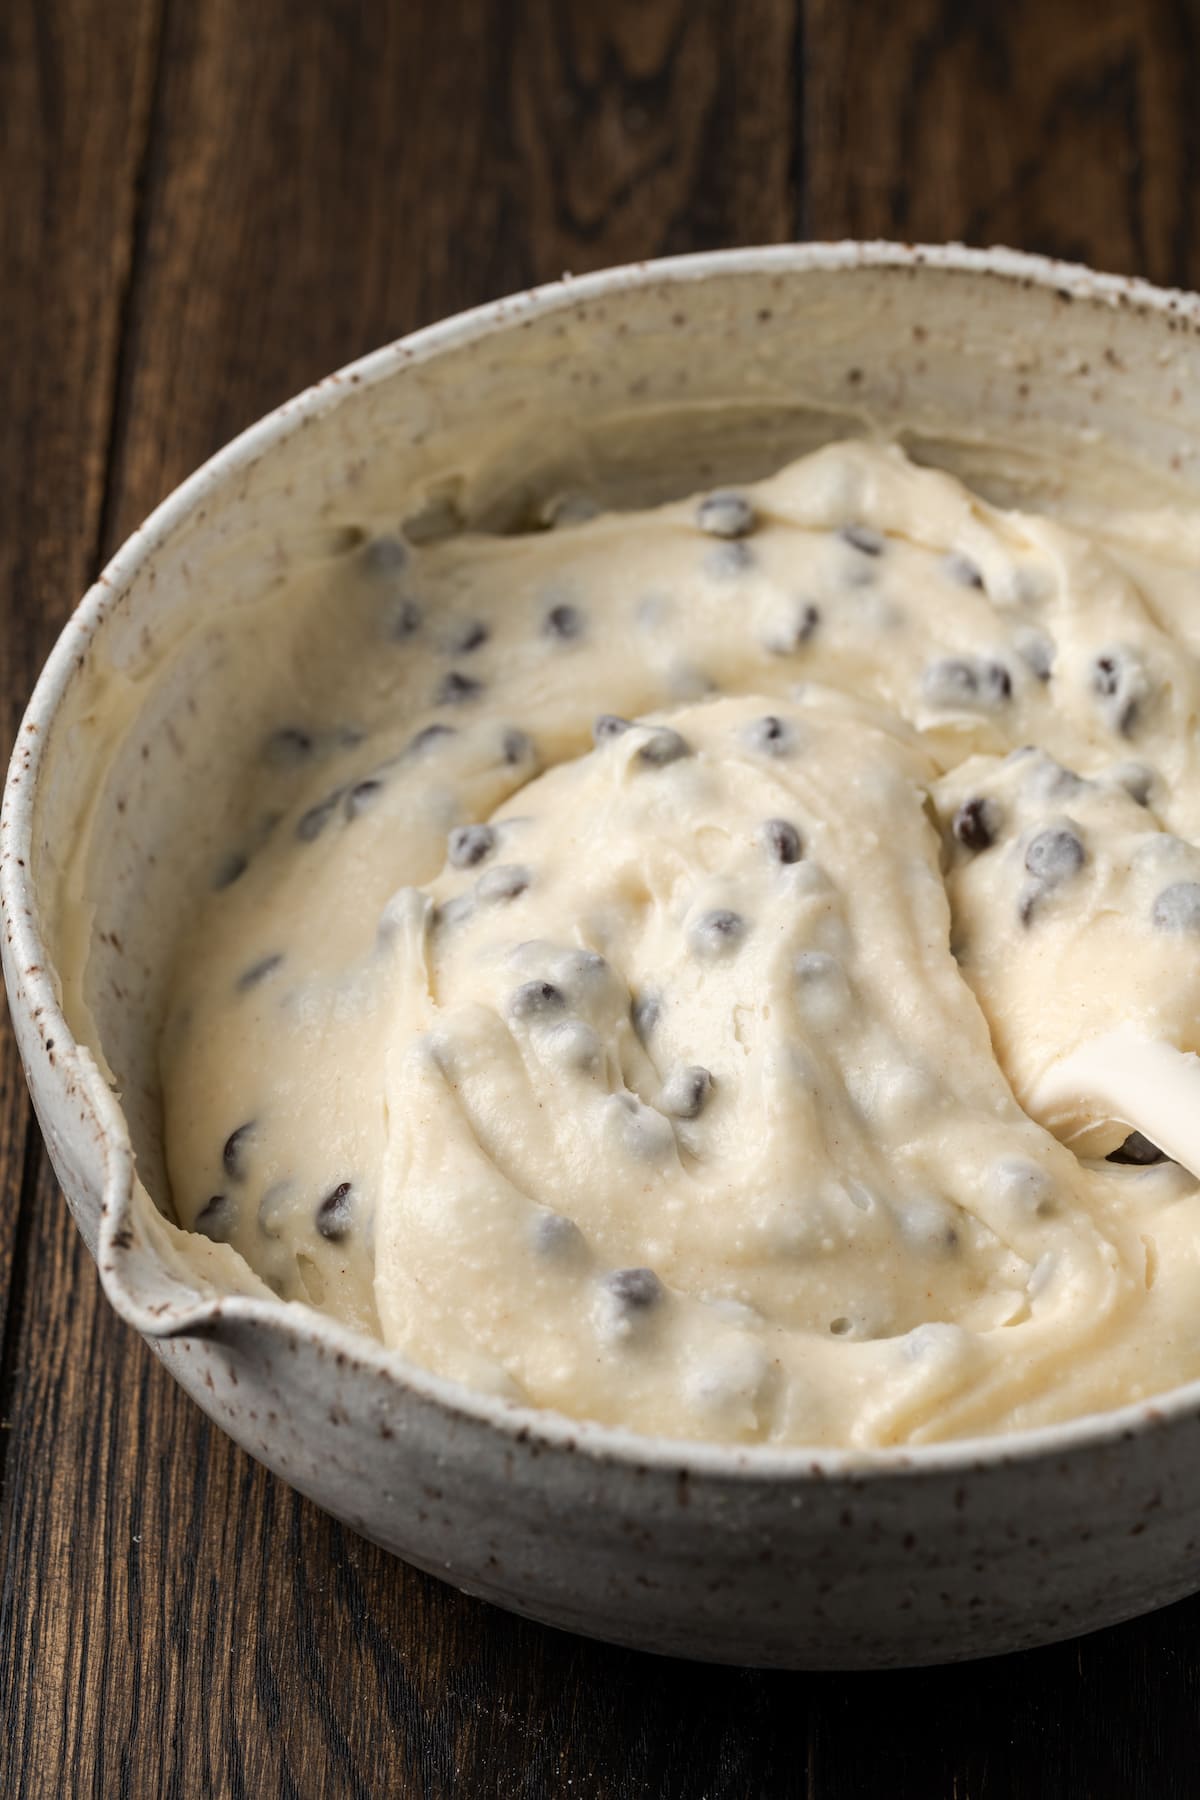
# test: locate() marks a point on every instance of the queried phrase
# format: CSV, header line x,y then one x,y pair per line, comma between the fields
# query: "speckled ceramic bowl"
x,y
640,383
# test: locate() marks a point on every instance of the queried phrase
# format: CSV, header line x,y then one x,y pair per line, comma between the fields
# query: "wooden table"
x,y
206,204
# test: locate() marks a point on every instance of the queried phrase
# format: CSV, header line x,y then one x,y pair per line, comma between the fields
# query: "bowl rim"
x,y
28,962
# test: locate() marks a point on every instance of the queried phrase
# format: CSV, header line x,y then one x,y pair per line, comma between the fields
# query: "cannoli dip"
x,y
629,983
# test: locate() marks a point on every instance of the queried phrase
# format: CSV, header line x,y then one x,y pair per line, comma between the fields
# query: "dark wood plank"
x,y
66,211
1070,129
75,84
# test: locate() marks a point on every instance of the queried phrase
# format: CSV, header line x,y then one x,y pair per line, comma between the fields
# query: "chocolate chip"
x,y
864,539
726,515
645,1010
929,1226
404,620
1177,908
469,845
427,737
311,824
1138,1150
961,569
288,747
361,796
517,747
1037,652
456,689
977,823
508,881
384,556
536,1000
1055,854
557,1236
717,933
686,1092
770,735
1052,857
335,1215
608,726
726,561
216,1219
234,1154
563,622
473,635
662,747
959,681
267,965
1121,686
637,1289
230,869
783,840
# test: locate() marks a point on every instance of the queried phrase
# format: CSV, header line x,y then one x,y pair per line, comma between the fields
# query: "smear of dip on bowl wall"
x,y
605,961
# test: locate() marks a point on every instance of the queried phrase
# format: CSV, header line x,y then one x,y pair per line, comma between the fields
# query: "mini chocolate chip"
x,y
1037,652
361,796
473,636
469,844
1177,908
726,515
456,689
536,1000
216,1219
311,824
728,560
718,932
427,737
556,1235
508,881
645,1010
771,735
607,726
288,747
864,539
564,622
961,569
517,747
959,681
1120,684
335,1215
451,912
384,556
662,747
783,840
1054,855
807,619
259,971
636,1289
230,869
786,638
977,823
1138,1150
234,1154
404,621
686,1092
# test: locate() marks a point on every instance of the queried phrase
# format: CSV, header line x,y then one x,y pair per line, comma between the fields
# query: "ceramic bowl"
x,y
640,383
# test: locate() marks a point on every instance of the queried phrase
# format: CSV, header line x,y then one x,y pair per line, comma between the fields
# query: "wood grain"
x,y
74,91
207,204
